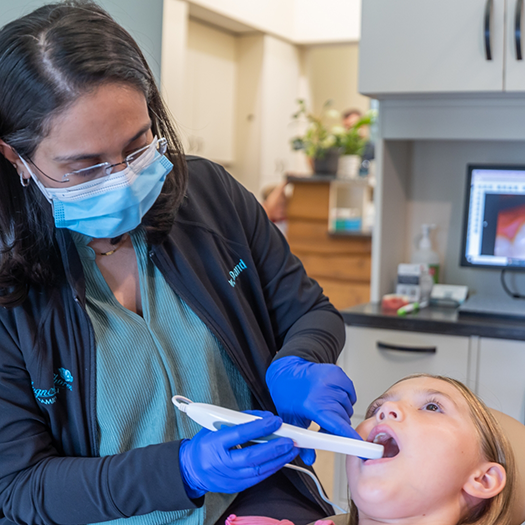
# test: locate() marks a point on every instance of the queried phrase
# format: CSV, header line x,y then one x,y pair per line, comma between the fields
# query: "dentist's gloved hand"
x,y
304,392
210,461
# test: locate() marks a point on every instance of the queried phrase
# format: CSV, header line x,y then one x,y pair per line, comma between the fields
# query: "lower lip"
x,y
378,461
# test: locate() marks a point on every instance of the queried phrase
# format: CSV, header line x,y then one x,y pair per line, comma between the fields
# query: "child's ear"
x,y
486,481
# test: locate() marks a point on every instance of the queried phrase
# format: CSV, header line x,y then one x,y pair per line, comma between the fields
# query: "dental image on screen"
x,y
510,228
495,228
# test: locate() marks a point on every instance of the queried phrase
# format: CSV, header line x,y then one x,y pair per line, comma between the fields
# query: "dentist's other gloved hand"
x,y
211,461
304,392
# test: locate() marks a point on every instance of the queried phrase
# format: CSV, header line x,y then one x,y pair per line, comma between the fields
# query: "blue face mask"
x,y
109,207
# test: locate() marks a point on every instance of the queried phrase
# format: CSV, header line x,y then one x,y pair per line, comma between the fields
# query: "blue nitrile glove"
x,y
304,392
211,461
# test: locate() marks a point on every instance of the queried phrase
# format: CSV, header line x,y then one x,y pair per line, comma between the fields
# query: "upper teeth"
x,y
381,436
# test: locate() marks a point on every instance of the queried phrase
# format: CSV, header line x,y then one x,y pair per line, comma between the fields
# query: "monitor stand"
x,y
490,306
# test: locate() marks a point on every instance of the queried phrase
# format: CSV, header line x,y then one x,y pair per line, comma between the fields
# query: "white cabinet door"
x,y
515,52
421,46
373,367
501,379
210,93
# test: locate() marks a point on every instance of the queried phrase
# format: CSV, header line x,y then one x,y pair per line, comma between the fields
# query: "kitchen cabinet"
x,y
442,106
514,78
375,359
423,46
501,382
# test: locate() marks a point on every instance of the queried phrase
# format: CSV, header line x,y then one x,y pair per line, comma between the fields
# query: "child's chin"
x,y
376,505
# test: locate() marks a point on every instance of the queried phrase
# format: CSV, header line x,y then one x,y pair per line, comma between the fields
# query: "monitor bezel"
x,y
466,203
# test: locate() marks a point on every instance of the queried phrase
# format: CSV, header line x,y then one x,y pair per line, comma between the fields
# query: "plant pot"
x,y
349,166
327,165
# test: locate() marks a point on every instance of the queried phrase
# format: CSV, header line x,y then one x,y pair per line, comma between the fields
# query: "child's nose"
x,y
390,410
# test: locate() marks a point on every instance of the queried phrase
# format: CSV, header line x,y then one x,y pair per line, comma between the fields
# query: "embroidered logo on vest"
x,y
62,379
236,271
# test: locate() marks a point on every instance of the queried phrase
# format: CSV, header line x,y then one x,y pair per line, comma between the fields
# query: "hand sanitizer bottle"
x,y
425,253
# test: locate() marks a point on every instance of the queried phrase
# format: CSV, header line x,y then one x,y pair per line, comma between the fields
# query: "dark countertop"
x,y
435,319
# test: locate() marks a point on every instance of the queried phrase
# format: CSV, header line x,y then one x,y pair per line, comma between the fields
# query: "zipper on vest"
x,y
93,427
210,325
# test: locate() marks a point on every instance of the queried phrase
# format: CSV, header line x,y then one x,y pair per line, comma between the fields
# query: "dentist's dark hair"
x,y
48,59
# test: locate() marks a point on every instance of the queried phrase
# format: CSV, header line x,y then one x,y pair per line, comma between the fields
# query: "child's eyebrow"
x,y
431,392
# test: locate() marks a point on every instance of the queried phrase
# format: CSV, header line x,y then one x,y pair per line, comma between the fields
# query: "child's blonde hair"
x,y
495,448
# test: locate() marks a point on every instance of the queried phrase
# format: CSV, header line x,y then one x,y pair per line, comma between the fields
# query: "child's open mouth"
x,y
388,442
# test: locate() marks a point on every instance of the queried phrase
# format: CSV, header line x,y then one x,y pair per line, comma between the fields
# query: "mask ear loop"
x,y
24,182
41,187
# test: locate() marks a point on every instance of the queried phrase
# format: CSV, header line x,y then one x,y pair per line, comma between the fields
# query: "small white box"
x,y
415,281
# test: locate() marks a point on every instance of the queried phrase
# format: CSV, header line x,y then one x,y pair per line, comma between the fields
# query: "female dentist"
x,y
130,273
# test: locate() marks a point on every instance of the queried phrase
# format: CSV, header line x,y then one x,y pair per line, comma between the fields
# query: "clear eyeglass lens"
x,y
87,174
105,169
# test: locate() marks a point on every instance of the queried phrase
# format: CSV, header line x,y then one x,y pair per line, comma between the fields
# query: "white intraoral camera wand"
x,y
213,418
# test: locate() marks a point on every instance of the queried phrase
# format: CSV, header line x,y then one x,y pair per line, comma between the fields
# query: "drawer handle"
x,y
486,29
517,28
403,348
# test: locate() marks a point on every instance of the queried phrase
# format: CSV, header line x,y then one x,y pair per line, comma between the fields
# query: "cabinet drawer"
x,y
501,377
373,367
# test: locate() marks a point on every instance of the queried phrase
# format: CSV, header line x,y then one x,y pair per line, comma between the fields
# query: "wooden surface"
x,y
341,265
310,201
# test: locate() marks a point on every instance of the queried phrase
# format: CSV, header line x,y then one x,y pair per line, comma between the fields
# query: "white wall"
x,y
332,74
298,21
269,76
174,43
269,16
325,21
246,168
281,73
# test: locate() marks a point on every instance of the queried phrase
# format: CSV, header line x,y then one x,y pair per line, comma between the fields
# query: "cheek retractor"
x,y
214,418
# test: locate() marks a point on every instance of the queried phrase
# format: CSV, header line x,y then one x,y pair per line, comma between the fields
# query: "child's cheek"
x,y
352,466
364,428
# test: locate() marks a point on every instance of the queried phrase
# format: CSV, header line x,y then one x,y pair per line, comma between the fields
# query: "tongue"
x,y
391,448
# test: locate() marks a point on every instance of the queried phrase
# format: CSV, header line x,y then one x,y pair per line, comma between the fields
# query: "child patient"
x,y
446,460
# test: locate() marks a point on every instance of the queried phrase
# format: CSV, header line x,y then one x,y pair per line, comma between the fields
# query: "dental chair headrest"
x,y
515,432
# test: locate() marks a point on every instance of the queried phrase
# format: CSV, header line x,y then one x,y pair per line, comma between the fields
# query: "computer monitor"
x,y
494,220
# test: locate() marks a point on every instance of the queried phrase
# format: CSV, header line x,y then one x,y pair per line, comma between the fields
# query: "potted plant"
x,y
352,143
320,142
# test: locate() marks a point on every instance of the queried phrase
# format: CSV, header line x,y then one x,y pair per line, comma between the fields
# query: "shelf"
x,y
310,178
362,181
349,233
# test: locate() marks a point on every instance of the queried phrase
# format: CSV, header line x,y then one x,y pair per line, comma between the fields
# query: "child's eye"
x,y
433,406
373,408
